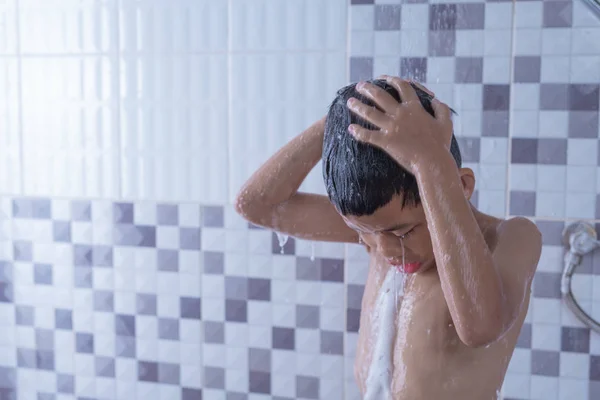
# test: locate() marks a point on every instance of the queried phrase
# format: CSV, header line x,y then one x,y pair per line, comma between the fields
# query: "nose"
x,y
389,245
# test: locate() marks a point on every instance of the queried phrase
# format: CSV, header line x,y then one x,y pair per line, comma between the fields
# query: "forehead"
x,y
387,217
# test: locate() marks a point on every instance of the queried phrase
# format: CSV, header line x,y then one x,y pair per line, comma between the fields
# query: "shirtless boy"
x,y
393,174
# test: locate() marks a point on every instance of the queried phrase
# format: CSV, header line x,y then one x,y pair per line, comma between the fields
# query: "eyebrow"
x,y
397,227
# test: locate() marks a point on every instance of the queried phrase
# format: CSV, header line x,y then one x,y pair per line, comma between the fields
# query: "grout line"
x,y
510,109
20,99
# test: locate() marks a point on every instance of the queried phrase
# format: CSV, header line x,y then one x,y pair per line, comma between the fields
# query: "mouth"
x,y
408,268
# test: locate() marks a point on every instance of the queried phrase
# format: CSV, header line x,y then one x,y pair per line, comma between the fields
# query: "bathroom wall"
x,y
126,128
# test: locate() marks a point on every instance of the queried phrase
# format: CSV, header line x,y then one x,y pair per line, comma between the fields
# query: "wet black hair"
x,y
359,177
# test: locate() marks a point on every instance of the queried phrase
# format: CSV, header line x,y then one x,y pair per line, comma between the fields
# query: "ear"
x,y
467,178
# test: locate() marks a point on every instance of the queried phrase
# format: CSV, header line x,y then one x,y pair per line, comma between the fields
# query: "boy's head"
x,y
373,193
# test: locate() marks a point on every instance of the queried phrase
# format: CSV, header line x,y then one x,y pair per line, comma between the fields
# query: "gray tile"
x,y
23,250
354,295
168,328
332,270
83,277
576,340
545,363
442,43
41,208
470,148
6,292
584,97
102,256
167,214
387,17
42,274
61,231
123,213
24,315
8,377
332,342
84,342
190,307
307,387
259,289
167,260
594,367
146,303
552,151
468,70
442,17
214,332
414,68
168,373
213,216
191,394
307,269
554,96
547,285
259,382
283,338
214,378
236,287
125,346
470,16
214,262
125,325
583,124
354,2
6,272
81,210
44,339
8,394
524,340
259,360
288,248
495,123
104,301
147,371
475,199
65,383
307,316
524,151
236,310
522,203
189,238
527,69
82,255
361,68
352,320
236,396
594,389
44,396
26,358
45,360
22,208
63,319
558,14
134,235
551,232
496,97
105,366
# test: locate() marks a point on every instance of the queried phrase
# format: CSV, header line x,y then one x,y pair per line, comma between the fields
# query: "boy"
x,y
393,174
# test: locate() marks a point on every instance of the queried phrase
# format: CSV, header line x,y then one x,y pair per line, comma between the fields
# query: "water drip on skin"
x,y
282,240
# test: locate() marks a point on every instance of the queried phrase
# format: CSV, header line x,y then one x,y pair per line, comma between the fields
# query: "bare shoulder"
x,y
519,230
518,248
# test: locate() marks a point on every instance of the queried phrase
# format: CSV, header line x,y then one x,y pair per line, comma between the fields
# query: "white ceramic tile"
x,y
581,205
492,202
550,204
179,153
497,42
583,15
556,41
570,388
554,124
173,26
8,27
469,43
555,69
362,44
584,69
386,66
269,108
413,15
523,177
584,41
440,69
515,385
362,17
386,43
70,126
414,43
524,123
67,26
527,41
581,179
544,388
582,152
10,127
498,15
528,15
496,69
291,25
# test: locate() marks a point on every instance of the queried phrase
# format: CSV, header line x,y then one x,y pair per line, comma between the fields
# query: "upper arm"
x,y
307,216
516,256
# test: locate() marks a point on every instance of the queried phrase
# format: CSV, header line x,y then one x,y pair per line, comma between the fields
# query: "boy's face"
x,y
393,230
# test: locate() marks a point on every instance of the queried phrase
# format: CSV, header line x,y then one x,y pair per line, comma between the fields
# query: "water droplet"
x,y
282,240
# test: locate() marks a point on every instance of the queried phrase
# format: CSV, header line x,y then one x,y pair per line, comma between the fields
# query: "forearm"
x,y
470,281
281,175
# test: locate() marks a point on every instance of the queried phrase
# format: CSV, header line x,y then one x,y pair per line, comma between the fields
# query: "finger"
x,y
441,111
368,113
365,135
405,90
383,99
423,88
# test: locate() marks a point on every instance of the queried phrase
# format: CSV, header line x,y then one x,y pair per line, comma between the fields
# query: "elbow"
x,y
250,208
